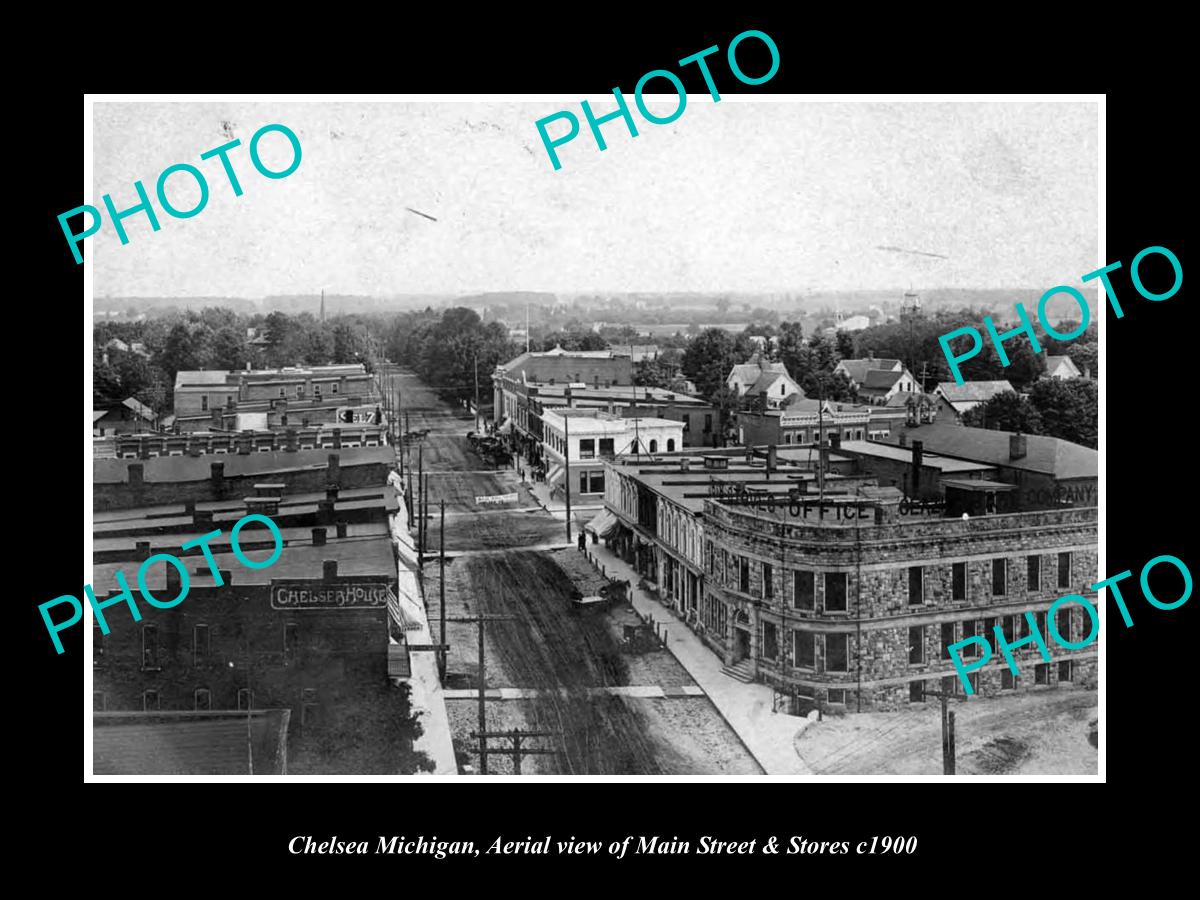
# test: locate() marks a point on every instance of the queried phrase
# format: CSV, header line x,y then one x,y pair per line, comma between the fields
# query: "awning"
x,y
602,525
505,427
404,613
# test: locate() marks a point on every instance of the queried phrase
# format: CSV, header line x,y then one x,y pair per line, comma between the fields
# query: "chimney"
x,y
918,448
341,529
143,550
173,580
202,518
136,472
329,569
835,440
318,537
325,513
293,440
903,441
1016,446
218,475
333,474
337,439
331,492
684,464
189,508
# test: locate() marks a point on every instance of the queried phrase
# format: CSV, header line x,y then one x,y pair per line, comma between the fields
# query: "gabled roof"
x,y
972,391
1053,362
747,372
882,379
765,381
1049,455
98,414
857,369
140,408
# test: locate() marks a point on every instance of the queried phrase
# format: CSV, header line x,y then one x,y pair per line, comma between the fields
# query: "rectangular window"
x,y
959,579
291,642
204,402
1065,672
916,692
1033,573
768,575
1062,623
770,641
98,701
1041,673
743,575
1009,626
245,699
804,649
333,387
203,699
150,701
200,644
596,482
583,482
1022,629
999,577
803,590
1041,623
587,448
989,632
837,695
1007,681
947,638
916,645
836,655
150,660
1064,570
835,591
606,446
916,585
707,423
971,651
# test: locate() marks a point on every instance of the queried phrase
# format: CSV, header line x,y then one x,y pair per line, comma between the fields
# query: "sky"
x,y
731,196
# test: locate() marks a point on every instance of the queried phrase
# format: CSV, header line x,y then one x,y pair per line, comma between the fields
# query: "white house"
x,y
755,378
586,437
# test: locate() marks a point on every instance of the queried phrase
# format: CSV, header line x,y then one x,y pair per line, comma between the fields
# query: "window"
x,y
245,699
150,701
804,650
1065,672
837,695
204,402
973,680
596,483
291,641
98,701
836,652
959,581
203,699
971,651
97,643
743,575
999,577
299,391
1062,623
1008,681
333,388
670,445
583,482
916,586
606,446
1041,673
1041,623
1008,626
200,644
283,392
770,648
916,646
1022,628
707,423
835,591
768,576
1033,573
916,692
989,632
1064,570
803,590
653,445
947,638
150,660
587,448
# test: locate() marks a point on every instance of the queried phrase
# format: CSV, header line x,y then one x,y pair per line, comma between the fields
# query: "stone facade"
x,y
841,603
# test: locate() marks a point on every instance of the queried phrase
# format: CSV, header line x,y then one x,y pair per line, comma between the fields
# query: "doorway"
x,y
741,644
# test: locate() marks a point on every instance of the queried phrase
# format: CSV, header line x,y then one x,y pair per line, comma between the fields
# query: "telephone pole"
x,y
482,733
516,735
947,731
442,589
567,457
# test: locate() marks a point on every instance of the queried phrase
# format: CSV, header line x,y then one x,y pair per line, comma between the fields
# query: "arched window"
x,y
670,445
653,446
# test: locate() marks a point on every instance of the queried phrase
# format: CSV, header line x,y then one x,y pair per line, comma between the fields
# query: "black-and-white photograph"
x,y
429,442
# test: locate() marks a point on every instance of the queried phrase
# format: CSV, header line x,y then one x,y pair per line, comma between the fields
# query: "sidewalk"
x,y
581,513
769,736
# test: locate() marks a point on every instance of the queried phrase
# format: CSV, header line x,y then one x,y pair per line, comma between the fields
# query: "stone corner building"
x,y
856,611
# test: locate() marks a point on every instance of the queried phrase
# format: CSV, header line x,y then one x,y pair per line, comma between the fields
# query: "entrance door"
x,y
741,644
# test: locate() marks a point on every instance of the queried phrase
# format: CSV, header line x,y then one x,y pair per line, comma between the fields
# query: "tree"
x,y
1068,409
1007,411
845,345
229,350
722,306
710,356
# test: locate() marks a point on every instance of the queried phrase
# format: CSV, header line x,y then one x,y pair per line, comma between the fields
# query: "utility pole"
x,y
476,390
420,509
947,731
567,457
516,735
482,733
442,589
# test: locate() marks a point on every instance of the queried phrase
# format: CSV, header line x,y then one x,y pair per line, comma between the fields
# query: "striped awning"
x,y
401,615
602,525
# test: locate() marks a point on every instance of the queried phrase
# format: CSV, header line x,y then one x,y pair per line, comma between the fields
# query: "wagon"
x,y
586,604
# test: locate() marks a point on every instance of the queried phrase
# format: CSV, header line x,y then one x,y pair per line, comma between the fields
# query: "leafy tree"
x,y
791,348
1008,411
1068,408
710,356
229,350
845,345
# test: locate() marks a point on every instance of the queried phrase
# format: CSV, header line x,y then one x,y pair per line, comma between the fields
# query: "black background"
x,y
1147,447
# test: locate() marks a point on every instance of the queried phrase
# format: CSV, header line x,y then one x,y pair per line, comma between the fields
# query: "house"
x,y
129,417
856,369
881,385
769,380
955,399
1062,368
585,438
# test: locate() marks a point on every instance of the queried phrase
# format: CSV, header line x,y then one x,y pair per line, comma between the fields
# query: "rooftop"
x,y
1048,455
189,743
199,468
972,391
857,369
905,454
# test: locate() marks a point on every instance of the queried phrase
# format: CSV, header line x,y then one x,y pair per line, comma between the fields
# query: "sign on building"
x,y
360,415
320,595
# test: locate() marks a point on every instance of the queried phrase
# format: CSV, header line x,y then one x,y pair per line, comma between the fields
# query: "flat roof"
x,y
904,454
166,469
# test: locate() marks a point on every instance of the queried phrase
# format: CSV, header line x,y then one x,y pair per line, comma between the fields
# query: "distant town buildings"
x,y
129,416
760,380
